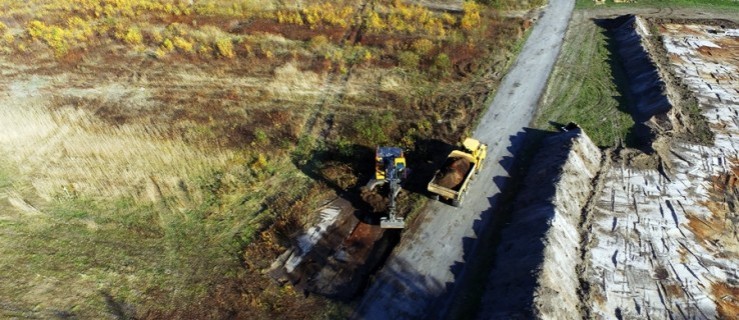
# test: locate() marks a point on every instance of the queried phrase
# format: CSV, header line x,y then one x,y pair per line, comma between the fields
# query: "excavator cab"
x,y
389,160
390,169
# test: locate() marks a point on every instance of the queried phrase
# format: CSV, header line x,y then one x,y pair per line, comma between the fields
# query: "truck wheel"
x,y
456,203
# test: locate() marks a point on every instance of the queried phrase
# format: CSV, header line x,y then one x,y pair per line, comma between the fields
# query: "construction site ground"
x,y
642,232
646,230
417,278
148,186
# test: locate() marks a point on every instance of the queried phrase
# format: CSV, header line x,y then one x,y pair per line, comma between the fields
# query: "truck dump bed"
x,y
452,179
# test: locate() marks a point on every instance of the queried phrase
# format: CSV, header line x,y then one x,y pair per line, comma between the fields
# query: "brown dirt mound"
x,y
377,201
452,175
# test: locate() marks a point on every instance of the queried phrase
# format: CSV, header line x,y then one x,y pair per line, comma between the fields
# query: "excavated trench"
x,y
340,253
335,257
661,243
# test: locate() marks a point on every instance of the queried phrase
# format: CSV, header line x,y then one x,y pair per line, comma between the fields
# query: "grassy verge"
x,y
715,4
85,258
583,88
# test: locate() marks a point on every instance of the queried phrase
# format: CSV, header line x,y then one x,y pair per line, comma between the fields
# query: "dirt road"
x,y
419,277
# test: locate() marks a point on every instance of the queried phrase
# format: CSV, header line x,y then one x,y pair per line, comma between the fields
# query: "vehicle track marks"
x,y
336,79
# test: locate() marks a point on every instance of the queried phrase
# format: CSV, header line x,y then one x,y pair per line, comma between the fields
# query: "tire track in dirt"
x,y
336,79
338,263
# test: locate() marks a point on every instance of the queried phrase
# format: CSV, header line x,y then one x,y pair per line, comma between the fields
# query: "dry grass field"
x,y
157,154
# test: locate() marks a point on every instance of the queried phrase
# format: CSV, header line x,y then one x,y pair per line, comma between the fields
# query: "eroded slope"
x,y
535,269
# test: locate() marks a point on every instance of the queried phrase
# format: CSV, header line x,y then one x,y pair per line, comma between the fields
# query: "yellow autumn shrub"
x,y
183,44
471,17
225,47
133,36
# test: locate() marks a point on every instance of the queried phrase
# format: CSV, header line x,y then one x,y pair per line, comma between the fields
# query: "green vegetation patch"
x,y
85,258
717,4
584,89
79,253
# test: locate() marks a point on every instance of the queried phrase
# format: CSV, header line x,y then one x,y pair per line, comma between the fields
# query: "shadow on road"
x,y
495,239
412,293
519,237
420,297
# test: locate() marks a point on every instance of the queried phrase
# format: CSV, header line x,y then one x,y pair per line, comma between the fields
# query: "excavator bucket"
x,y
392,223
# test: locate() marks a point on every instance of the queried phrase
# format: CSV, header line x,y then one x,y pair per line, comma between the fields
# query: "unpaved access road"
x,y
419,277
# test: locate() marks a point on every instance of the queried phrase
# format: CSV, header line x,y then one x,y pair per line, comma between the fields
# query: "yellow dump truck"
x,y
452,180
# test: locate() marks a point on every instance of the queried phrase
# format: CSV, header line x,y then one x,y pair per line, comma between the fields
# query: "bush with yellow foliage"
x,y
183,44
400,17
133,36
145,24
225,47
471,18
57,38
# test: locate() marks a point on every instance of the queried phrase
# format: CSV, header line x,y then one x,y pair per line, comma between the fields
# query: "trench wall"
x,y
535,269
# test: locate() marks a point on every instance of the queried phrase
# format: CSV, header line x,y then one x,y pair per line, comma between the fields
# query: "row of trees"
x,y
398,17
85,23
79,33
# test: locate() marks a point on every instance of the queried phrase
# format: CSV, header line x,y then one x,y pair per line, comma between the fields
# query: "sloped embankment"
x,y
659,232
643,85
535,268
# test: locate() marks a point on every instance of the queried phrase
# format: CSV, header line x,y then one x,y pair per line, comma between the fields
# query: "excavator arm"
x,y
389,169
392,221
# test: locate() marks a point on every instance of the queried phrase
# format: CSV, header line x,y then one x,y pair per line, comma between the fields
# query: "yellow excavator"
x,y
390,170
